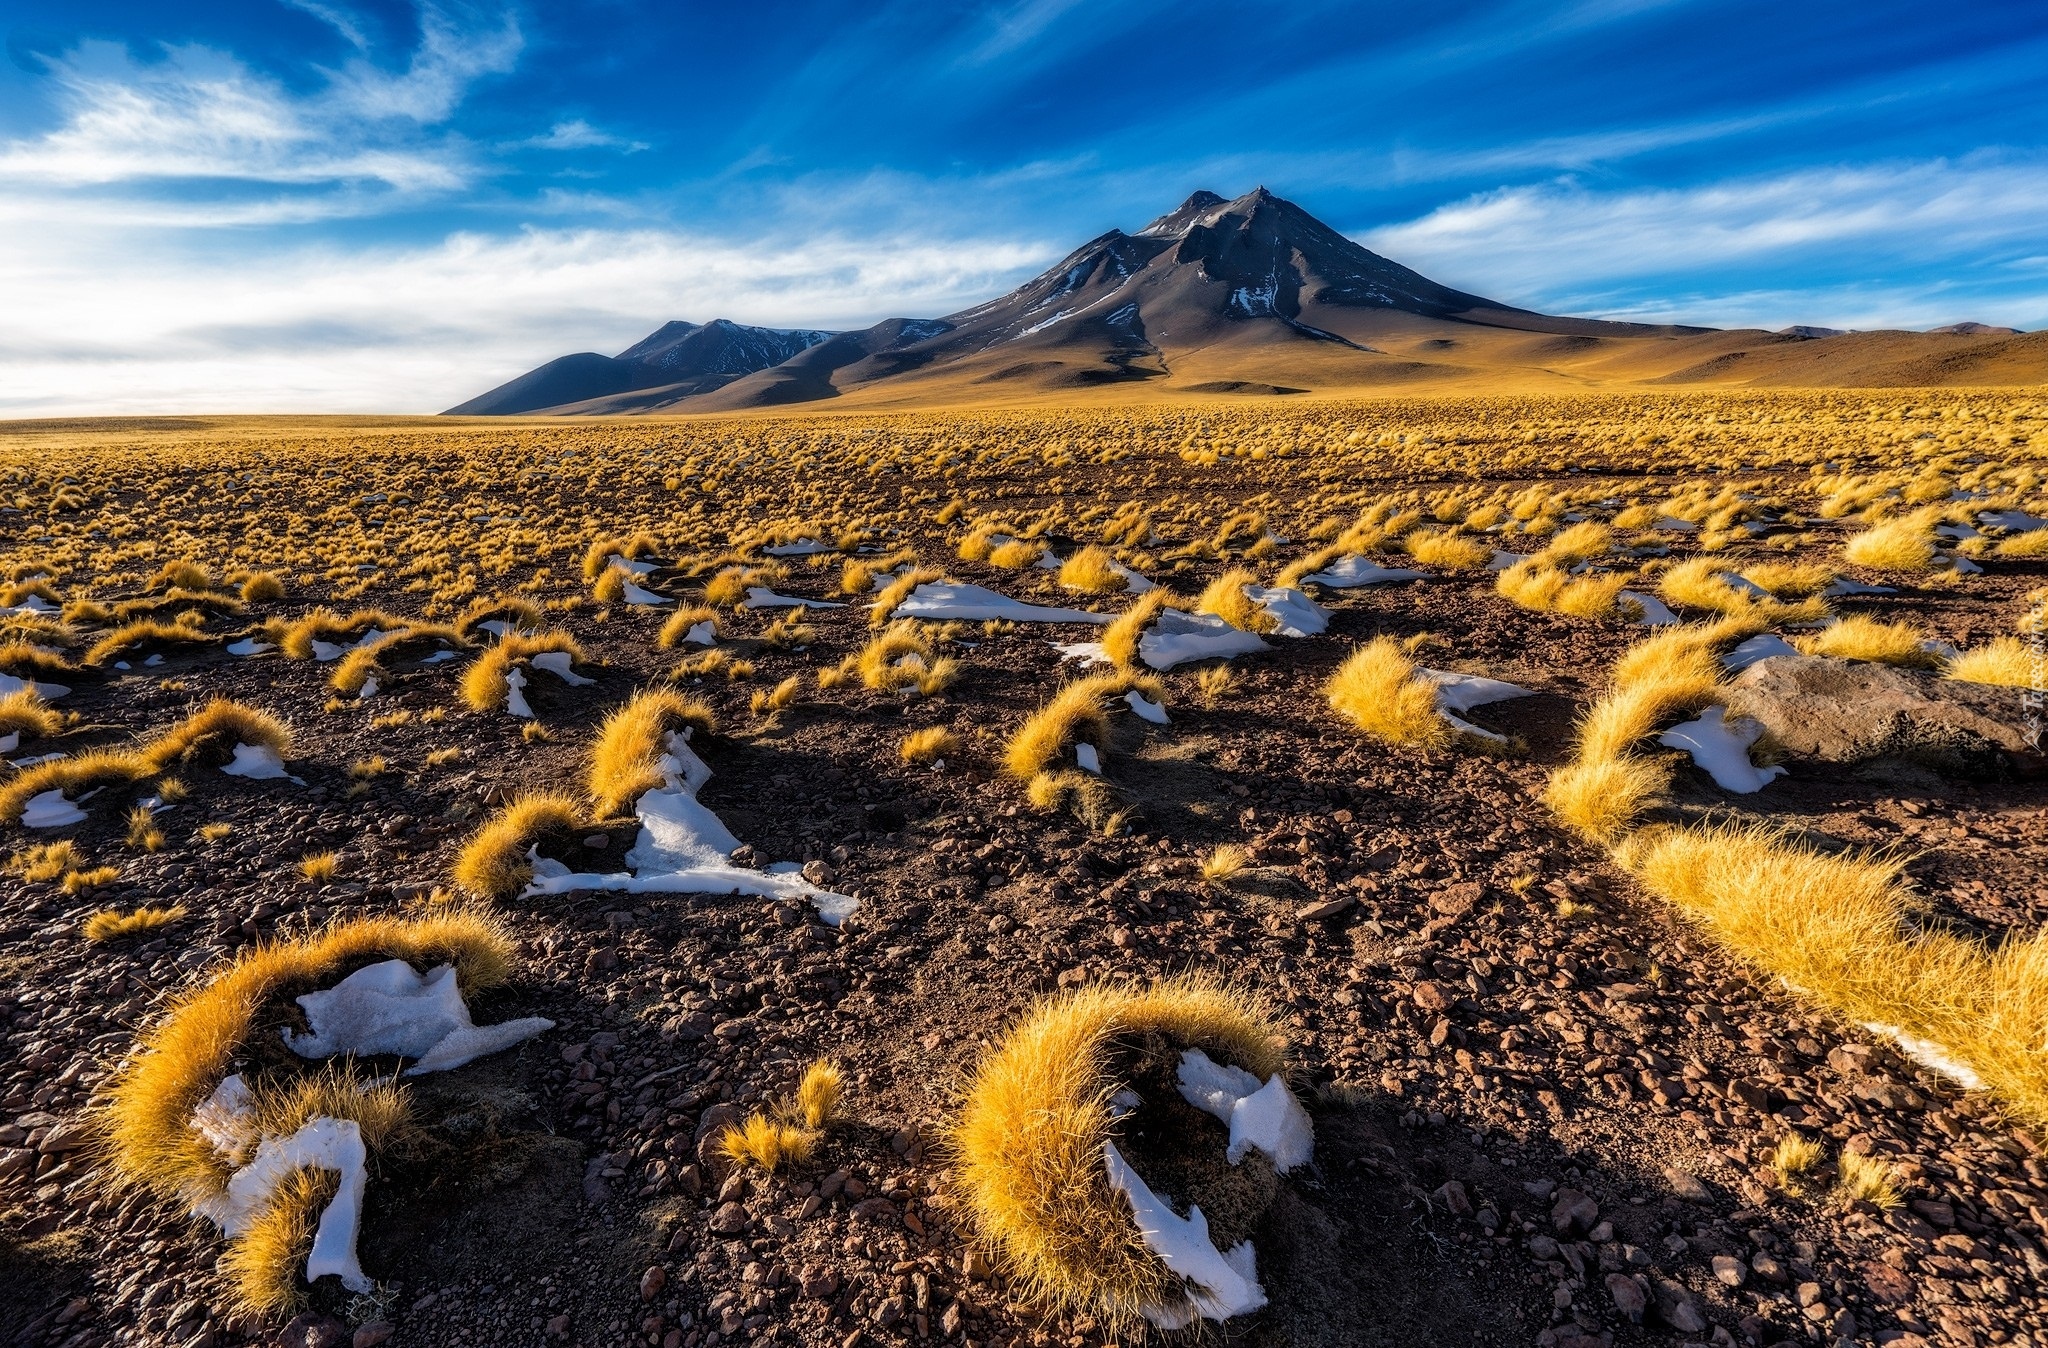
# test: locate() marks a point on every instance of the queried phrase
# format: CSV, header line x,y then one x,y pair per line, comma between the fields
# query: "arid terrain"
x,y
1589,1060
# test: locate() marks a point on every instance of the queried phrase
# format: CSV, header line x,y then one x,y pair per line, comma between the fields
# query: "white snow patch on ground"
x,y
1297,614
1655,612
49,809
1145,707
1842,585
1670,525
631,567
438,657
803,547
1267,1117
703,633
1087,758
1179,637
1223,1285
322,1143
1929,1055
684,848
1457,693
760,596
515,694
973,603
1133,582
1761,647
562,665
643,598
1721,749
10,742
1503,559
2014,521
1354,570
391,1008
258,762
48,692
249,646
326,651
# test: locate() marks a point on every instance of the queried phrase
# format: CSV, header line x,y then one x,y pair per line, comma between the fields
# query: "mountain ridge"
x,y
1241,296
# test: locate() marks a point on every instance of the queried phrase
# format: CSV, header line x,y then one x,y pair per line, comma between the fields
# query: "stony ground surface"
x,y
1543,1106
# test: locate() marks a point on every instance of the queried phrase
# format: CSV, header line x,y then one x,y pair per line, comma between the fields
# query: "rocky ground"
x,y
1543,1105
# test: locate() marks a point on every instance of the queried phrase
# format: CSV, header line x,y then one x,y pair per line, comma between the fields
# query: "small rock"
x,y
1730,1270
729,1220
652,1281
1454,1198
597,842
1573,1211
1316,912
1627,1295
1431,996
374,1334
1686,1185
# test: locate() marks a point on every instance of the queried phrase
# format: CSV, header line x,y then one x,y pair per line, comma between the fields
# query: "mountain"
x,y
676,360
1242,297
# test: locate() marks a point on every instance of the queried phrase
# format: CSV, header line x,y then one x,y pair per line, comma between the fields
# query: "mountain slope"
x,y
1245,296
680,358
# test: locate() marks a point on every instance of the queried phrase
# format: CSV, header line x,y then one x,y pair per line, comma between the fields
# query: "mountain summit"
x,y
1246,296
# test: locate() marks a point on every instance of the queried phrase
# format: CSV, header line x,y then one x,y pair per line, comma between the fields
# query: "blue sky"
x,y
336,205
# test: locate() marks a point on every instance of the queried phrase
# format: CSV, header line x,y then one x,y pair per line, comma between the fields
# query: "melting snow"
x,y
1930,1055
644,598
631,567
1087,758
760,596
391,1008
1842,585
48,692
1297,614
1145,707
515,694
1655,612
561,665
973,603
1763,646
1721,749
322,1143
803,547
1179,637
1354,570
1222,1285
259,762
249,646
49,809
1462,692
1267,1117
2016,521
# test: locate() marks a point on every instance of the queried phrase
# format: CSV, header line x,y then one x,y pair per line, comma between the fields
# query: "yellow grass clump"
x,y
111,923
770,1144
484,686
1860,638
2005,661
261,587
208,737
145,632
899,590
1904,545
903,657
1836,928
1016,554
1028,1146
1378,690
1089,569
1121,636
625,759
818,1094
1227,599
1452,552
679,624
1861,1178
25,713
493,862
1533,585
929,745
1074,715
1224,862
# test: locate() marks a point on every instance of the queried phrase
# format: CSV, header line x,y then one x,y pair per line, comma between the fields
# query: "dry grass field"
x,y
1612,823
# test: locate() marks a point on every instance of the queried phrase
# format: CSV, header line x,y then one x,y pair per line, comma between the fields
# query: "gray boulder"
x,y
1849,711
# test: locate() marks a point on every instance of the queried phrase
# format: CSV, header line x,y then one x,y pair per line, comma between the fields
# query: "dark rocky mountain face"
x,y
692,358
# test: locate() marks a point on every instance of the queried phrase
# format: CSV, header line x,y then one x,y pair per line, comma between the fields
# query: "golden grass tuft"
x,y
142,830
818,1094
26,714
1090,570
262,1266
1028,1146
2005,661
179,1061
111,923
929,745
1075,715
261,587
1904,545
903,657
1601,798
45,861
318,867
1861,1178
1224,862
1836,927
77,882
144,632
207,736
769,1144
1862,638
679,624
1377,690
1534,585
493,862
625,758
484,686
1121,636
1792,1159
899,590
1452,552
1227,599
1016,554
768,702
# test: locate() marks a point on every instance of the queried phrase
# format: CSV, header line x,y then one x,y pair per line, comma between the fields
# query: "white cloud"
x,y
113,321
1542,245
578,134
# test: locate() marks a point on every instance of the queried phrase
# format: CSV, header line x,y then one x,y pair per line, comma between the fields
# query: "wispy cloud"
x,y
110,323
1548,243
577,134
